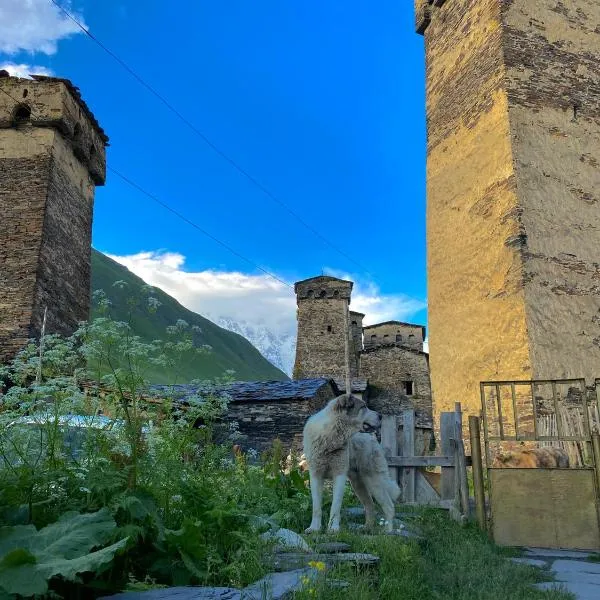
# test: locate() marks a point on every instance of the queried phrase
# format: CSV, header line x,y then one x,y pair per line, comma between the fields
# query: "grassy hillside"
x,y
230,350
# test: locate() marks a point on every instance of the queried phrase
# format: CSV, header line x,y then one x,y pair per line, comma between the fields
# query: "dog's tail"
x,y
393,490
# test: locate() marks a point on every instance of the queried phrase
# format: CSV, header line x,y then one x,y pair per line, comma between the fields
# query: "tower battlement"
x,y
49,102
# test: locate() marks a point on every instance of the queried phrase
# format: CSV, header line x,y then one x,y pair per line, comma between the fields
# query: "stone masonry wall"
x,y
263,422
477,317
393,332
386,368
23,188
552,55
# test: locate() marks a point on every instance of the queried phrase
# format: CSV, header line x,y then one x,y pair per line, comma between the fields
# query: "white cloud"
x,y
377,307
34,25
256,299
24,70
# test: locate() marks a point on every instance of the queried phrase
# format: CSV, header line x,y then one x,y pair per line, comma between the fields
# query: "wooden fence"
x,y
409,469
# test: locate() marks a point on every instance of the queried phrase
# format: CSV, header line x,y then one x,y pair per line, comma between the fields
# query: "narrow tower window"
x,y
22,113
329,330
408,386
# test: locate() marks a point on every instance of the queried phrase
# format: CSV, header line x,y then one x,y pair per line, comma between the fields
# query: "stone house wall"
x,y
394,332
388,370
262,422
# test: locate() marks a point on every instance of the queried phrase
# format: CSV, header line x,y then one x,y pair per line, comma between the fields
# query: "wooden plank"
x,y
478,484
389,442
546,508
447,435
421,461
408,448
425,492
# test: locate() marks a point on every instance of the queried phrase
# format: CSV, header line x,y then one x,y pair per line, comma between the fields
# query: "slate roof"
x,y
250,391
358,384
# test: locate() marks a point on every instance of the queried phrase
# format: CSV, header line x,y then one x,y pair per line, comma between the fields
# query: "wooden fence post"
x,y
461,465
408,449
389,441
477,463
447,485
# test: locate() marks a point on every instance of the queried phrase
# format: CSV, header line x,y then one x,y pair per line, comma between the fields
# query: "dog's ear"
x,y
345,403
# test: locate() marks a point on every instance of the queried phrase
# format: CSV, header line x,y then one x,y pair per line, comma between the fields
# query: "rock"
x,y
532,562
288,561
354,512
277,586
581,591
288,539
549,553
180,593
576,566
332,547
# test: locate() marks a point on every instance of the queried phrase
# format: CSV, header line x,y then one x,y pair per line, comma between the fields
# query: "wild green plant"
x,y
91,436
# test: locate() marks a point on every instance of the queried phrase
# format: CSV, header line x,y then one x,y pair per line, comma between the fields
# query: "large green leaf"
x,y
30,558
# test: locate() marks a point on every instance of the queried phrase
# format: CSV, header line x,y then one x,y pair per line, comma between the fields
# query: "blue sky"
x,y
323,103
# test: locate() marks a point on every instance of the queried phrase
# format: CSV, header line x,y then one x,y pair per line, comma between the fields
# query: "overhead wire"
x,y
206,140
178,214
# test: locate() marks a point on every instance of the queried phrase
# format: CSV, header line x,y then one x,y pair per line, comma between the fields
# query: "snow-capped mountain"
x,y
278,348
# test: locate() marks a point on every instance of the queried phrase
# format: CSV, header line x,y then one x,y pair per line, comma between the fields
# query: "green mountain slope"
x,y
229,350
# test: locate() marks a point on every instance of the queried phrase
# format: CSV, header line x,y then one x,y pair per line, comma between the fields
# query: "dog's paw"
x,y
333,529
312,529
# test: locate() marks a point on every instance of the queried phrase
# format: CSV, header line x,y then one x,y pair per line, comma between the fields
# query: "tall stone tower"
x,y
513,167
52,155
323,323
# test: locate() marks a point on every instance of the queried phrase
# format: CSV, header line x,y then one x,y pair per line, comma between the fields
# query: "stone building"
x,y
513,164
266,410
388,367
52,155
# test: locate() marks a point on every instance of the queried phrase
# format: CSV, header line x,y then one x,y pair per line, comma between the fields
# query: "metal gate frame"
x,y
589,438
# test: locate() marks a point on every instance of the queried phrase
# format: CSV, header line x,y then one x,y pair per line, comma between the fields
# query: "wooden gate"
x,y
546,507
407,466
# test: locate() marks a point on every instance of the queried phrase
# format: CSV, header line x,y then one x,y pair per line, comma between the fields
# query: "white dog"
x,y
335,449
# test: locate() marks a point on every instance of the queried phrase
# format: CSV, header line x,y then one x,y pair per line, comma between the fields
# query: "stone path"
x,y
571,570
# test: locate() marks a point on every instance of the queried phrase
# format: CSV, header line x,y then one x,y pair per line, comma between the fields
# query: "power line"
x,y
206,140
179,215
194,225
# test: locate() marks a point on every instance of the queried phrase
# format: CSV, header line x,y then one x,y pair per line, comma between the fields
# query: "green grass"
x,y
230,350
451,563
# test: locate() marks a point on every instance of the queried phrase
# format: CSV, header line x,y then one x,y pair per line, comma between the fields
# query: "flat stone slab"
x,y
287,539
332,547
180,593
277,586
288,561
549,553
532,562
582,591
576,566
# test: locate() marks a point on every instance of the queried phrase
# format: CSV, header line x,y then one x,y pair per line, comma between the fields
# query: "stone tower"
x,y
322,321
513,165
52,155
